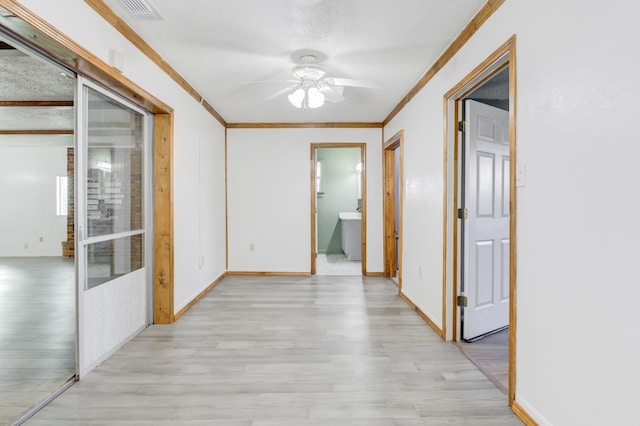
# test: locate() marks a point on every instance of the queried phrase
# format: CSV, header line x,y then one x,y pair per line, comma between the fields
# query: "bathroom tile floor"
x,y
337,264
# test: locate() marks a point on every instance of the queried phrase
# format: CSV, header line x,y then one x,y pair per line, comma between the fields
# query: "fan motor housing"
x,y
308,69
308,72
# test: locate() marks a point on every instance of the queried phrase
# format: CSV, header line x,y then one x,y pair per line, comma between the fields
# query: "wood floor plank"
x,y
264,351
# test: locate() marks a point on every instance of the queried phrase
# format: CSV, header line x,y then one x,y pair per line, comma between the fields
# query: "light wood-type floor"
x,y
491,355
37,331
287,351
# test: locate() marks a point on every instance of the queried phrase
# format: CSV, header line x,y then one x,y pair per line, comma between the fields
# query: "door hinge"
x,y
463,213
462,301
463,126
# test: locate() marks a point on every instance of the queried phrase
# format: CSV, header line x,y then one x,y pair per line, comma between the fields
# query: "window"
x,y
62,195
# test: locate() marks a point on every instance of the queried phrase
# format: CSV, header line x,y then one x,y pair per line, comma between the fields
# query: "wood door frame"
x,y
504,56
33,31
363,183
389,210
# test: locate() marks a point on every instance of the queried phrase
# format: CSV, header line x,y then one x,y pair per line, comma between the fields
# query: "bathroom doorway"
x,y
338,207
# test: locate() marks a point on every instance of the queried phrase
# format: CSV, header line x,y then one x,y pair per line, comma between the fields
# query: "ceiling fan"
x,y
311,87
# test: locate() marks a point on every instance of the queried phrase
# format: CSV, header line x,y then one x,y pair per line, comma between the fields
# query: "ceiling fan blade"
x,y
281,92
333,93
367,84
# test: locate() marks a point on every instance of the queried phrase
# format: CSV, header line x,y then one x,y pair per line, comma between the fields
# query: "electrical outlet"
x,y
42,239
252,247
26,245
200,261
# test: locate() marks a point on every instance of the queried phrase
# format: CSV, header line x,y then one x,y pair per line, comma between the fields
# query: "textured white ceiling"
x,y
222,46
36,118
25,78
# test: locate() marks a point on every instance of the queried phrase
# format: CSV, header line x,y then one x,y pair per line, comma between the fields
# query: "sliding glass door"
x,y
113,225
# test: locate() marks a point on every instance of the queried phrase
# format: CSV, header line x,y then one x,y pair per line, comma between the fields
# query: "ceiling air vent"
x,y
141,9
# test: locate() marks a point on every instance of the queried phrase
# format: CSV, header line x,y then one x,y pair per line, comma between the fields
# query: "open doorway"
x,y
338,200
393,193
484,201
484,229
481,122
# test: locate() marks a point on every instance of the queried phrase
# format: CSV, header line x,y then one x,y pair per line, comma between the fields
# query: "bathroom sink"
x,y
350,215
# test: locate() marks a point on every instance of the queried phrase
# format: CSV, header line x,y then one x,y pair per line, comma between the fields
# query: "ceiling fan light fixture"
x,y
297,97
315,98
307,97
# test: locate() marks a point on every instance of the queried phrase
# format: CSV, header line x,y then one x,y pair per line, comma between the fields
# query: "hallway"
x,y
266,351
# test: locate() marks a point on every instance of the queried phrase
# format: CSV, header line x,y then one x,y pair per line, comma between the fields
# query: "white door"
x,y
487,227
114,247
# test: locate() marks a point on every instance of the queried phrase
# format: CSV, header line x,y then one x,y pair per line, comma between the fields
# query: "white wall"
x,y
269,196
576,345
199,215
28,169
199,203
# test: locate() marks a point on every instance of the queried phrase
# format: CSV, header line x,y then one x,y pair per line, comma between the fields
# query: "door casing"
x,y
363,183
389,208
504,56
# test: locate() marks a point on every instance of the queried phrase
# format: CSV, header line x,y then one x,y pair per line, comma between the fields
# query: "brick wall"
x,y
68,247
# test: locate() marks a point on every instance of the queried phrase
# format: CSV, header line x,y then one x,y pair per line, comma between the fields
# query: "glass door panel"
x,y
115,151
114,197
113,181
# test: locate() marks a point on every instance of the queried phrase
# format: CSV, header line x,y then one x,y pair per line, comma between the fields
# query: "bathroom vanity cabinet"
x,y
351,234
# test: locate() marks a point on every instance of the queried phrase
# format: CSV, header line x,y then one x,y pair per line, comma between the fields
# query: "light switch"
x,y
521,174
